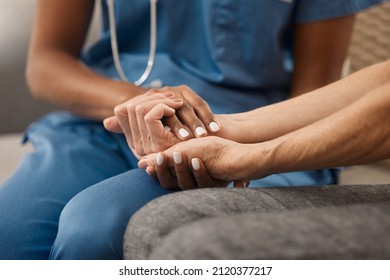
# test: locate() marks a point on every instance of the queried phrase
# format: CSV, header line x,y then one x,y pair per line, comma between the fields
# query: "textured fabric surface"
x,y
154,222
347,232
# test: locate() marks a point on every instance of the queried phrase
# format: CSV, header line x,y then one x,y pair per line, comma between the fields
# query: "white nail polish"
x,y
159,159
177,158
183,133
195,164
200,131
148,172
167,128
214,126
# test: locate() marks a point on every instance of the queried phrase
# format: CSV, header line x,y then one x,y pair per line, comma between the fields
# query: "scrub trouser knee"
x,y
93,223
70,155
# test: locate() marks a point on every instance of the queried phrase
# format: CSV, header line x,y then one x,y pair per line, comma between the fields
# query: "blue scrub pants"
x,y
73,196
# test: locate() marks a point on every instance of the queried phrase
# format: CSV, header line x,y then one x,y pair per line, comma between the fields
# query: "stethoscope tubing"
x,y
114,43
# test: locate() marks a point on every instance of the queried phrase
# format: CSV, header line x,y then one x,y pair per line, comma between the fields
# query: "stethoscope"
x,y
152,49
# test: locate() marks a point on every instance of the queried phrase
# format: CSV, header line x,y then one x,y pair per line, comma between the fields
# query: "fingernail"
x,y
183,133
148,172
214,126
159,159
195,164
167,128
177,157
200,131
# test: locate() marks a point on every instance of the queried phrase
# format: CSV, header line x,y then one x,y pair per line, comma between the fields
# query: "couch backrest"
x,y
371,37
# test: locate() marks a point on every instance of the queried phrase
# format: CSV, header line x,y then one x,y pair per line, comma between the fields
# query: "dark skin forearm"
x,y
71,85
320,49
54,71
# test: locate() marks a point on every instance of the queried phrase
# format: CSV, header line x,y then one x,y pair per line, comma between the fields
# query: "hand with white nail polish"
x,y
160,118
206,162
194,118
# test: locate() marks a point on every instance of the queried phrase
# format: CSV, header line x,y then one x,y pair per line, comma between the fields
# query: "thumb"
x,y
112,124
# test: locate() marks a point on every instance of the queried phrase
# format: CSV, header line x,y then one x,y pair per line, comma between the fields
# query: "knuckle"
x,y
153,91
140,110
118,110
168,88
200,102
184,88
139,150
187,92
148,118
130,107
158,148
172,122
160,95
185,107
181,169
148,149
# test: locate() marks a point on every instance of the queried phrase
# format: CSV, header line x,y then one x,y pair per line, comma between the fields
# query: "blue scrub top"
x,y
236,54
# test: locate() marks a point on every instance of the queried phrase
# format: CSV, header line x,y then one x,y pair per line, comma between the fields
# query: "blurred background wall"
x,y
17,107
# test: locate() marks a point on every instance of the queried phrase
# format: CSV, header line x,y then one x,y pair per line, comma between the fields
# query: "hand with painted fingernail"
x,y
194,118
200,163
143,118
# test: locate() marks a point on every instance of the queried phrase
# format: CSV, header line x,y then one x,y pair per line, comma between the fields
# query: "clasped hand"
x,y
160,119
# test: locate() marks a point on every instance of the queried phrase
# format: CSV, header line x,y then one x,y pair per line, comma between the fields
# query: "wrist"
x,y
122,91
254,161
232,127
114,93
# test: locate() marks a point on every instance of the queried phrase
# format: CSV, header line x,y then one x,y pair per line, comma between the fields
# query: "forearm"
x,y
54,72
358,134
61,79
275,120
320,49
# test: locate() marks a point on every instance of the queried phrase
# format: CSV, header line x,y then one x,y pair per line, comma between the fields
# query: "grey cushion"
x,y
273,223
